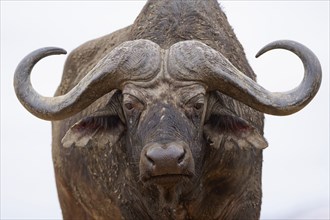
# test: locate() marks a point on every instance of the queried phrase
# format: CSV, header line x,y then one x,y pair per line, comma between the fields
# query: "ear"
x,y
104,127
223,128
243,139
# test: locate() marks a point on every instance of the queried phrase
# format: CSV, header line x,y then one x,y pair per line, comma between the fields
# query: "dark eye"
x,y
195,103
136,105
131,103
198,106
129,106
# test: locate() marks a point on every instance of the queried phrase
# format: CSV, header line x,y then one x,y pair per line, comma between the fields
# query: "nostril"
x,y
150,159
181,157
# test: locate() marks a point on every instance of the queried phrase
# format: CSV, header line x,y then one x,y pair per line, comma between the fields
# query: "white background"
x,y
296,163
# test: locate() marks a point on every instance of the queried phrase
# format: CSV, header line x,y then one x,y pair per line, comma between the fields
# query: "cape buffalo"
x,y
162,119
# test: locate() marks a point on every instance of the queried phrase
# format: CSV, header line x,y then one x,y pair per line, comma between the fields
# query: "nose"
x,y
159,160
168,160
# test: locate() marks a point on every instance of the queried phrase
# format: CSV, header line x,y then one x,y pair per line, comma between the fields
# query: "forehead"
x,y
164,90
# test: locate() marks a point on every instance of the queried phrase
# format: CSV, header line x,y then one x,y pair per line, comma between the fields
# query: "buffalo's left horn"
x,y
195,61
137,60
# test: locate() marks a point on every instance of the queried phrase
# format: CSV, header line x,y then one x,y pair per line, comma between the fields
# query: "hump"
x,y
167,22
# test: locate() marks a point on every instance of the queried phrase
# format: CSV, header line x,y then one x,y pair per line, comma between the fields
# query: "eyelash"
x,y
103,122
226,123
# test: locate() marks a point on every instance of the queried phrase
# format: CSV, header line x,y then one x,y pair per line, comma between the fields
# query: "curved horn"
x,y
137,60
193,60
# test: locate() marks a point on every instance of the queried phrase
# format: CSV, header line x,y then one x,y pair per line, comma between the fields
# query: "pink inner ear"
x,y
226,123
97,122
98,131
81,133
86,124
241,126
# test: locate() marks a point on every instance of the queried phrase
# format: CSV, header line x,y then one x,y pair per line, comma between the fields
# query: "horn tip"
x,y
261,51
56,50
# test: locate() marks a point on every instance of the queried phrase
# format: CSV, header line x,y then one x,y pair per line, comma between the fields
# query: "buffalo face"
x,y
164,125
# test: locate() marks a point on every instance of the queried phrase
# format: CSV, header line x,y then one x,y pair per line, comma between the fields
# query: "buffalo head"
x,y
166,107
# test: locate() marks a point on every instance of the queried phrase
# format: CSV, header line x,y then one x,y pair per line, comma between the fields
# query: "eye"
x,y
129,106
198,106
196,103
131,103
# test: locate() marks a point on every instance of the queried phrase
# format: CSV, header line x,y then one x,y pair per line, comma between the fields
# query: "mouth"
x,y
167,179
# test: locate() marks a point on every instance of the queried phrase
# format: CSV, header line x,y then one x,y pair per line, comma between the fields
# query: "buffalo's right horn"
x,y
195,61
137,60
